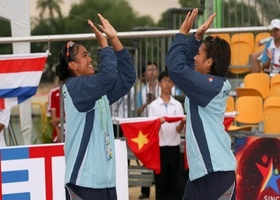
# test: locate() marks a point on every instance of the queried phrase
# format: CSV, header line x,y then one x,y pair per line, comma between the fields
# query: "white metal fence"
x,y
146,46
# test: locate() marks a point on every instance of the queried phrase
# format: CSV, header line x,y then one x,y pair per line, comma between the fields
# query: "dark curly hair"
x,y
62,69
219,50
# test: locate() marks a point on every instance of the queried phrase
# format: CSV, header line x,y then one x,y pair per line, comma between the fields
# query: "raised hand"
x,y
100,37
109,30
204,27
188,22
106,27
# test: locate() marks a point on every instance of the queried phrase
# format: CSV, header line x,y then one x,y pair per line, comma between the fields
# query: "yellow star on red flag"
x,y
141,140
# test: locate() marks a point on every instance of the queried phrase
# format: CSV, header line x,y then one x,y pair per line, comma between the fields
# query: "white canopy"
x,y
18,12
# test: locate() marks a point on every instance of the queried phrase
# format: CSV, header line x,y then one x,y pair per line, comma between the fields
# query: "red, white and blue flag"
x,y
20,75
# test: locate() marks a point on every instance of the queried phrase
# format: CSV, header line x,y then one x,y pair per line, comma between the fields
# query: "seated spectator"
x,y
271,55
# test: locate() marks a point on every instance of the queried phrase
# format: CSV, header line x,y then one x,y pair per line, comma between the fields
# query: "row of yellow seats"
x,y
242,46
249,38
260,84
40,108
252,111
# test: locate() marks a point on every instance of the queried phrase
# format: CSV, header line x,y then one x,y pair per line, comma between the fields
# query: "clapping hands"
x,y
110,32
188,23
106,27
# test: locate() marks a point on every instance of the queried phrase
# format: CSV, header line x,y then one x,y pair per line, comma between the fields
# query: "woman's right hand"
x,y
100,37
188,22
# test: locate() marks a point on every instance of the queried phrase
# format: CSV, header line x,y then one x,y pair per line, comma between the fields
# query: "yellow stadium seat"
x,y
271,115
275,85
258,37
275,79
46,107
230,104
275,90
259,82
255,84
249,113
38,109
247,92
225,36
242,46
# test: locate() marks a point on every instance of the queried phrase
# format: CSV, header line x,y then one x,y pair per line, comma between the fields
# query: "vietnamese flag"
x,y
142,139
227,122
176,118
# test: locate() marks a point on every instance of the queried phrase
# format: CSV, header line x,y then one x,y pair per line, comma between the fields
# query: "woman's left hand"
x,y
107,28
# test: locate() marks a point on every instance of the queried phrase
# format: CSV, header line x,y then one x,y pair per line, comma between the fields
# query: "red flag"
x,y
171,119
227,122
228,119
2,104
142,139
186,164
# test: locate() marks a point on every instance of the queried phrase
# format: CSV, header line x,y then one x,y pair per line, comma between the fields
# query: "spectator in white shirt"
x,y
4,122
166,182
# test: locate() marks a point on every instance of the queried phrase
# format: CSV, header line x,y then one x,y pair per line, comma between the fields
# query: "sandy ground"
x,y
134,193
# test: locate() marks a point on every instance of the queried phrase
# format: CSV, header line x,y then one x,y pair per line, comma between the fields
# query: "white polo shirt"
x,y
4,119
275,62
168,136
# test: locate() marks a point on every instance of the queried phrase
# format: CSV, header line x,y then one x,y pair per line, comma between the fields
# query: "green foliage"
x,y
270,9
118,12
51,5
43,130
177,18
239,15
5,32
163,20
190,3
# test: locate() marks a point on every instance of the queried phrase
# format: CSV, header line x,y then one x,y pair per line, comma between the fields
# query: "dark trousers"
x,y
213,186
74,192
117,131
145,190
167,182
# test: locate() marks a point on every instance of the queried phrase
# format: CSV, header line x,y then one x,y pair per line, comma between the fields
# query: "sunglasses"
x,y
68,46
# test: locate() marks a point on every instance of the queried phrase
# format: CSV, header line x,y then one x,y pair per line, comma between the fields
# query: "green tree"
x,y
5,32
118,12
190,3
235,14
172,19
239,15
51,6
